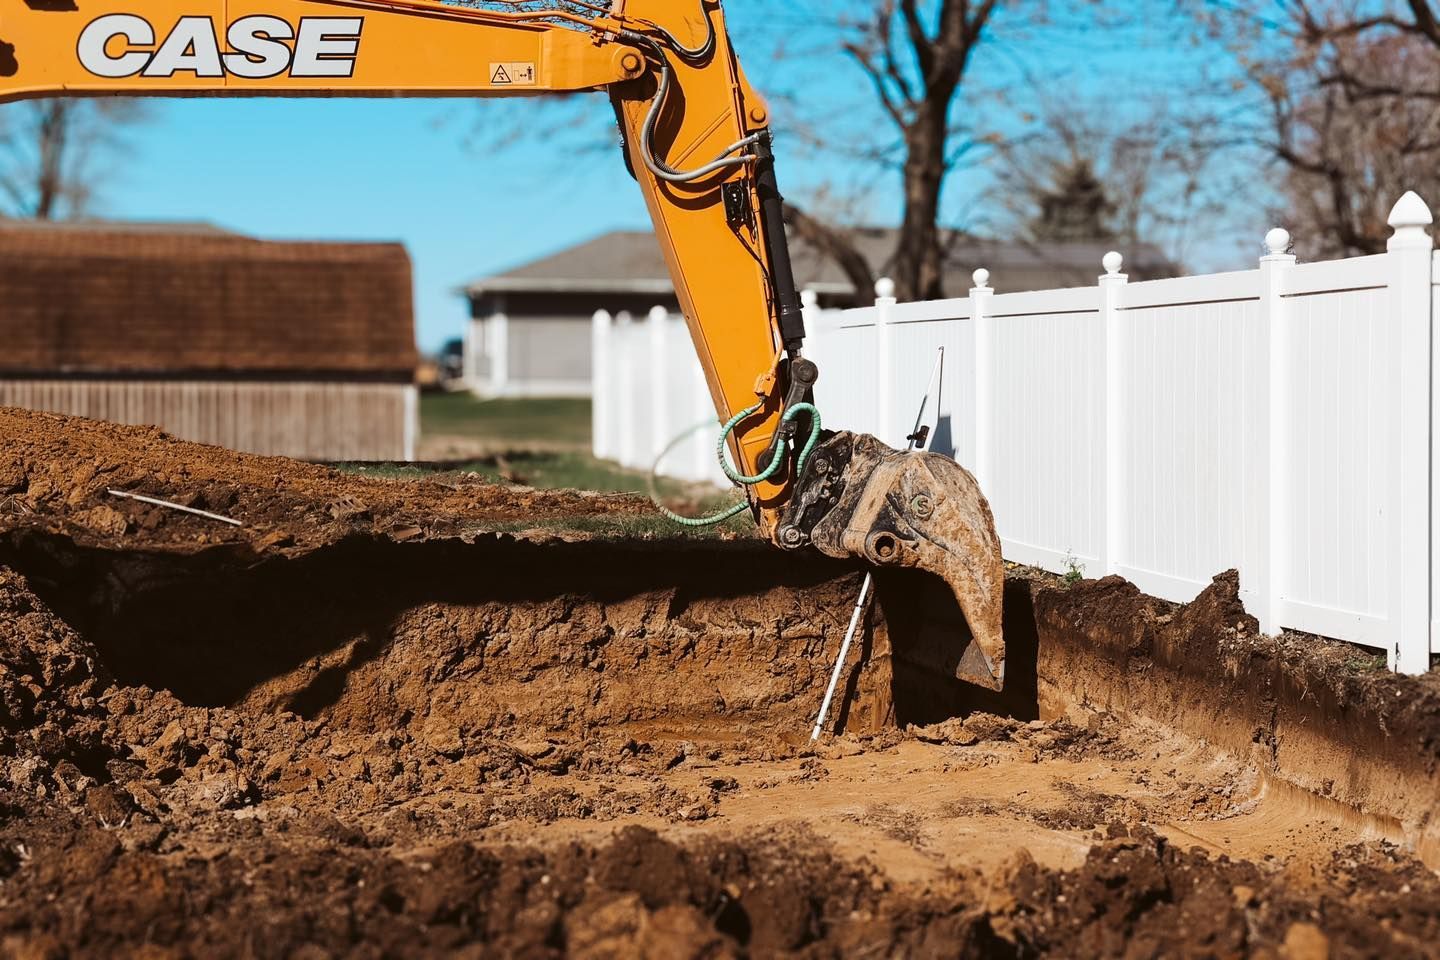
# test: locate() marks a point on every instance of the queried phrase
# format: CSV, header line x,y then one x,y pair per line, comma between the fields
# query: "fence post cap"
x,y
885,288
601,316
1409,218
809,299
1112,262
1277,241
981,279
1409,212
658,313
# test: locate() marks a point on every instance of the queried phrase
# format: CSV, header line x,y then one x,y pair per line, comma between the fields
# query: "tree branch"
x,y
1425,22
834,244
877,79
919,40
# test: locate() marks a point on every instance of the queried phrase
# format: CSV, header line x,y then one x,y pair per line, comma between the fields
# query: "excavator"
x,y
696,137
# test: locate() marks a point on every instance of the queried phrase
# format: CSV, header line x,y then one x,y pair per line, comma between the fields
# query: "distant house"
x,y
529,333
299,349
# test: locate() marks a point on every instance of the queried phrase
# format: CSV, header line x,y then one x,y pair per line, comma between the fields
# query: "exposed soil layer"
x,y
1321,716
347,742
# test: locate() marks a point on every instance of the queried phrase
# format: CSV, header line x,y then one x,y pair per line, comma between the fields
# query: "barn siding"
x,y
308,421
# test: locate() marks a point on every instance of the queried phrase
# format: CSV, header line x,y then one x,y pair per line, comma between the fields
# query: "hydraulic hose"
x,y
701,52
775,463
731,472
653,163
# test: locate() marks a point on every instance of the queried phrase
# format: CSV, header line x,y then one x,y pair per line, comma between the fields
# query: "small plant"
x,y
1359,662
1074,569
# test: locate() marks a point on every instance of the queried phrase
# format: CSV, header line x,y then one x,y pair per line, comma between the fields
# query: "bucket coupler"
x,y
860,498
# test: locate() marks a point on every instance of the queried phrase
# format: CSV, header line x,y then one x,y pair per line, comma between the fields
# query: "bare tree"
x,y
1350,152
916,56
835,242
936,117
1351,91
1330,24
54,154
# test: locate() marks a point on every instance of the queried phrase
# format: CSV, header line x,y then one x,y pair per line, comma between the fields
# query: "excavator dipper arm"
x,y
697,138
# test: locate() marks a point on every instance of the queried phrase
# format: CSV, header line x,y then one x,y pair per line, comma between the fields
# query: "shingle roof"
x,y
170,298
630,261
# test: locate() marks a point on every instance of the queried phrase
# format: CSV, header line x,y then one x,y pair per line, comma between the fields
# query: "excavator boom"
x,y
697,139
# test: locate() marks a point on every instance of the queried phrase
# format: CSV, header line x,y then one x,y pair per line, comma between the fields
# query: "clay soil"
x,y
390,718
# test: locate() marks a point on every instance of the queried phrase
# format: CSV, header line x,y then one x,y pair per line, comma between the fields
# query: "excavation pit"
x,y
360,725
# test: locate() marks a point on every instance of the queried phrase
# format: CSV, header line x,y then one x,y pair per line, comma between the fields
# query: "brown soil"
x,y
314,737
55,471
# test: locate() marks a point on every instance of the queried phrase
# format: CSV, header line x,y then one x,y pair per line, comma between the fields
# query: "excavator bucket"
x,y
860,498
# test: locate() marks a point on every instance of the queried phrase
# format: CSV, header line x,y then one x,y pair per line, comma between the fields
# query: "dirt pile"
x,y
1137,895
55,471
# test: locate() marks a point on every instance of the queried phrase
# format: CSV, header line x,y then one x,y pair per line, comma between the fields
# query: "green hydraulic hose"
x,y
731,472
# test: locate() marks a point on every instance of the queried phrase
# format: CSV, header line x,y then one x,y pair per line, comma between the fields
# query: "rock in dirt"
x,y
952,732
1305,941
105,521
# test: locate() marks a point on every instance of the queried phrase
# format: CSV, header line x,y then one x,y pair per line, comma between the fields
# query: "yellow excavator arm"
x,y
697,139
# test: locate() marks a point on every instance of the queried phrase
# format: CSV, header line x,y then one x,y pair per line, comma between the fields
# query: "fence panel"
x,y
847,393
1435,461
305,420
1048,412
914,348
632,426
1190,467
1342,450
692,411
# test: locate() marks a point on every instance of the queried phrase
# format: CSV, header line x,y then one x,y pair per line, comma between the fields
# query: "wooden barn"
x,y
300,349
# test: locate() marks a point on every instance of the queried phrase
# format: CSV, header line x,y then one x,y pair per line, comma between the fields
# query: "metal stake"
x,y
935,383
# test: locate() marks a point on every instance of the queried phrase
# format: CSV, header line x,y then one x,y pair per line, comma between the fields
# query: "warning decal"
x,y
512,74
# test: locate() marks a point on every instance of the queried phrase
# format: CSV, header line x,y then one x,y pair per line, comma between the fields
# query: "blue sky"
x,y
427,173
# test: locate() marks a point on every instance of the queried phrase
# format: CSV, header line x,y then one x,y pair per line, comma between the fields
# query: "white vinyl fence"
x,y
649,390
1278,421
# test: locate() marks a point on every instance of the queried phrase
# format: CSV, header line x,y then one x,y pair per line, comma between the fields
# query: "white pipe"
x,y
175,506
844,653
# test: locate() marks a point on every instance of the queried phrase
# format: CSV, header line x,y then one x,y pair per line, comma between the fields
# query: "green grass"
x,y
520,423
1364,661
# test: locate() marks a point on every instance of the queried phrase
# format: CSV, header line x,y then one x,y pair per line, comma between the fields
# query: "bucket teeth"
x,y
860,498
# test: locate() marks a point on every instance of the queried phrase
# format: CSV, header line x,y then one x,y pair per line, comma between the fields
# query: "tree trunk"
x,y
919,268
50,184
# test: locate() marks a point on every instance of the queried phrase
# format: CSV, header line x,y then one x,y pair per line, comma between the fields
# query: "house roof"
x,y
629,261
167,298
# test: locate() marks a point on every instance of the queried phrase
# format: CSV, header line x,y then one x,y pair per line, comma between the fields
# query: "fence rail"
x,y
1278,421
